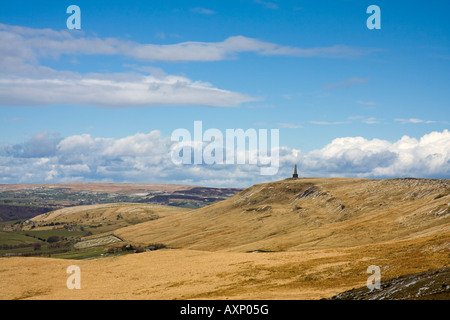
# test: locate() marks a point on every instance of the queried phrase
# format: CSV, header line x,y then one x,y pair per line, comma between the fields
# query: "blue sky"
x,y
311,69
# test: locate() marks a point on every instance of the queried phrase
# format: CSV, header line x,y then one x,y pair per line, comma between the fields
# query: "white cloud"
x,y
371,120
115,91
346,83
413,120
328,123
46,42
290,125
203,11
41,144
267,4
24,81
231,47
427,157
145,157
366,103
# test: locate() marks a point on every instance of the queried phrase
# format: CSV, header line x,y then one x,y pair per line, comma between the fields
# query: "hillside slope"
x,y
105,213
99,218
306,214
291,239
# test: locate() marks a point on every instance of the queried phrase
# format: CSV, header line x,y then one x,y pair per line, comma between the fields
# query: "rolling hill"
x,y
112,214
292,239
306,214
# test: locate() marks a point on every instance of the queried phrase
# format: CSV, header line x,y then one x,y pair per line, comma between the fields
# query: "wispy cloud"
x,y
329,123
160,35
346,83
290,125
6,120
267,4
260,123
115,91
30,44
441,56
24,81
371,120
203,11
414,120
366,103
260,106
351,119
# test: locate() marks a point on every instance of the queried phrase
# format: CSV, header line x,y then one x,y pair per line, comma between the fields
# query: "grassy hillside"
x,y
305,214
104,217
76,232
292,239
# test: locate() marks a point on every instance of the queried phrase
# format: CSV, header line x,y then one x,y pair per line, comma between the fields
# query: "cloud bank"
x,y
146,157
24,81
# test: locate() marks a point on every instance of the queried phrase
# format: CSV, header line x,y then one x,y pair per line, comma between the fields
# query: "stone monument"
x,y
295,175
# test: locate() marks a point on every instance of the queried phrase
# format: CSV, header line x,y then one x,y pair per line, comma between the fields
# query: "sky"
x,y
100,104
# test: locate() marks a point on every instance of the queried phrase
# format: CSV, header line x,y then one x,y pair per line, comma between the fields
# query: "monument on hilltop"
x,y
295,175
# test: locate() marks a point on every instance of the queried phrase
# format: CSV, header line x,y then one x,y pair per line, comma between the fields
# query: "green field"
x,y
56,243
53,243
15,238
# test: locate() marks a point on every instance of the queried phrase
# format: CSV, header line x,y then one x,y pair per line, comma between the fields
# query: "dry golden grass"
x,y
323,234
111,214
187,274
306,214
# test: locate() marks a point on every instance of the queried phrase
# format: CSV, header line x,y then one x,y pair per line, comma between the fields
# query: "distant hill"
x,y
15,212
23,201
121,188
108,216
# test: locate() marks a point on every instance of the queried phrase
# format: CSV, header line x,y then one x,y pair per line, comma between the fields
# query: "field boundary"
x,y
100,241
